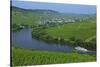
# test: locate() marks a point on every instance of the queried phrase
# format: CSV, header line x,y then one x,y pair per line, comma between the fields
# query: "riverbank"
x,y
21,57
81,34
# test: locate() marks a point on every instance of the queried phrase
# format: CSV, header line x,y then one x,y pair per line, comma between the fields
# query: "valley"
x,y
43,36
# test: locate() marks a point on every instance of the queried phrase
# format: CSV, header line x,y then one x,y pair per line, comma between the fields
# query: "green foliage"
x,y
76,34
16,27
28,57
20,18
82,30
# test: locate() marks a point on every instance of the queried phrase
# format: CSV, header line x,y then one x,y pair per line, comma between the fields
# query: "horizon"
x,y
59,7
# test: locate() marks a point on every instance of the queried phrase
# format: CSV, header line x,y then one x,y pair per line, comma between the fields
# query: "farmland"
x,y
80,30
24,57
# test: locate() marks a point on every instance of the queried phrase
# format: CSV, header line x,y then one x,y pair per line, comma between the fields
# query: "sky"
x,y
63,8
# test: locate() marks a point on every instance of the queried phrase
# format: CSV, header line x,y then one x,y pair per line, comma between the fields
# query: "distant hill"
x,y
33,11
40,16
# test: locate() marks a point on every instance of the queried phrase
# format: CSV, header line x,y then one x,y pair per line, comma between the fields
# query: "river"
x,y
23,39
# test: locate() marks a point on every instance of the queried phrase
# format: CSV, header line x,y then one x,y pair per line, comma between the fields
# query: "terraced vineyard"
x,y
22,57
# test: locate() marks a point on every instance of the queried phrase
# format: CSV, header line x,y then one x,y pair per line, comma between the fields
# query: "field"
x,y
82,30
22,57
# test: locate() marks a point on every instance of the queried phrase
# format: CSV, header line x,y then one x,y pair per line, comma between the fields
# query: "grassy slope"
x,y
78,30
28,57
21,18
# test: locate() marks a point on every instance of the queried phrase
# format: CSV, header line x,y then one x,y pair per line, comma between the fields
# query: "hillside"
x,y
40,16
33,57
82,30
76,34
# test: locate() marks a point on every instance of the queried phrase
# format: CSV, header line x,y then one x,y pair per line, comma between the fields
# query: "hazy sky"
x,y
66,8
